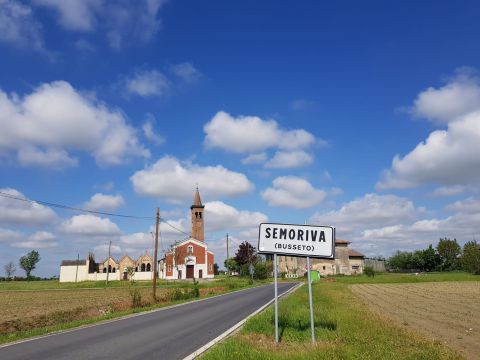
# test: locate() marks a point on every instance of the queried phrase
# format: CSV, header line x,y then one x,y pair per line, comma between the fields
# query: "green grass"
x,y
345,329
386,278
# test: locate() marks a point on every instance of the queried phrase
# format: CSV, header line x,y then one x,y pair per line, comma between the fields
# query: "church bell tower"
x,y
197,217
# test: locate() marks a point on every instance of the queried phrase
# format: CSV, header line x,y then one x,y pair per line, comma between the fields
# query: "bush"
x,y
260,271
368,270
136,298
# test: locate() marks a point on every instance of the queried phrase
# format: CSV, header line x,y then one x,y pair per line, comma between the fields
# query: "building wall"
x,y
210,262
67,273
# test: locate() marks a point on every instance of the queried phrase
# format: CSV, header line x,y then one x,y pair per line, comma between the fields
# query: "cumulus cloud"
x,y
453,190
289,159
10,237
139,239
220,216
292,191
102,251
149,132
171,179
459,96
104,202
146,83
245,134
466,206
18,26
42,128
447,157
89,225
258,158
124,22
369,211
16,212
185,72
38,240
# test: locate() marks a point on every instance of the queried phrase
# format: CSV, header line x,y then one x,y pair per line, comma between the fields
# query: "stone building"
x,y
347,261
190,258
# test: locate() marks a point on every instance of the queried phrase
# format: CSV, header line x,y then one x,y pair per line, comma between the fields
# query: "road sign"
x,y
297,240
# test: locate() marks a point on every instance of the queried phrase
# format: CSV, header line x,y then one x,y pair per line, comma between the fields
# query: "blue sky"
x,y
359,115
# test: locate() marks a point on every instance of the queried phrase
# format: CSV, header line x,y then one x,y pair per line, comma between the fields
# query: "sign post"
x,y
296,240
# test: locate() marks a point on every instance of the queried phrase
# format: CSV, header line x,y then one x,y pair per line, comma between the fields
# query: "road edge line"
x,y
237,326
107,321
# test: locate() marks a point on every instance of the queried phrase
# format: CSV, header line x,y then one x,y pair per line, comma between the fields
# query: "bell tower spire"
x,y
197,210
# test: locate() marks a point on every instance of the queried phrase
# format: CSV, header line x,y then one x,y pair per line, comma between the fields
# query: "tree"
x,y
449,251
215,269
29,261
431,259
246,254
230,265
10,269
471,257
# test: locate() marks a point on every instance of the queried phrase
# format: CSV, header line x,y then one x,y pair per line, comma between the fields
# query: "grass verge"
x,y
345,329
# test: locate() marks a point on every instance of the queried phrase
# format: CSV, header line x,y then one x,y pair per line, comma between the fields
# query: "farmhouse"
x,y
190,258
89,270
347,261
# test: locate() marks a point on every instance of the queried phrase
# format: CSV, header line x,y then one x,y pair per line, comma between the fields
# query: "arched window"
x,y
142,268
109,268
104,270
113,270
148,267
199,215
190,250
136,268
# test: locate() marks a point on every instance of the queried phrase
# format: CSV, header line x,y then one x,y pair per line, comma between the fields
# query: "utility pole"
x,y
108,260
155,256
228,270
76,272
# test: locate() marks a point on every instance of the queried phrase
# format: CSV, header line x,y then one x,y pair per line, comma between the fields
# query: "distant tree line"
x,y
448,255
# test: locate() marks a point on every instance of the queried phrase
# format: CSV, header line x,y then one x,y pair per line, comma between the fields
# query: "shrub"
x,y
136,298
368,270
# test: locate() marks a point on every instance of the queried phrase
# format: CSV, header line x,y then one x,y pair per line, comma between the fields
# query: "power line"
x,y
174,227
66,207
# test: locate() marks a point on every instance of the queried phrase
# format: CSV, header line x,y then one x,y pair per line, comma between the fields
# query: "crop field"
x,y
446,312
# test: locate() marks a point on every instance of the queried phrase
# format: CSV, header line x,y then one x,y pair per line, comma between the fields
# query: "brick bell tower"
x,y
197,217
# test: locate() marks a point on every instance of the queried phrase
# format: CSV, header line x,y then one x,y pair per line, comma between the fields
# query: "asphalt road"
x,y
165,334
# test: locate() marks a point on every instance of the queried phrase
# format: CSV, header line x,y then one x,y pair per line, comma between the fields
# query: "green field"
x,y
345,327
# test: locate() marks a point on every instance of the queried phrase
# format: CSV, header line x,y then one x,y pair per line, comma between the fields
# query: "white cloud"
x,y
38,240
302,104
294,192
150,133
124,22
146,83
89,225
245,134
18,26
370,211
289,159
136,240
258,158
186,72
10,237
104,202
44,126
220,216
469,206
17,212
449,190
168,178
461,95
448,157
102,251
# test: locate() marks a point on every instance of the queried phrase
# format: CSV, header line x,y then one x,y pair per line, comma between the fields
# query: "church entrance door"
x,y
125,276
190,271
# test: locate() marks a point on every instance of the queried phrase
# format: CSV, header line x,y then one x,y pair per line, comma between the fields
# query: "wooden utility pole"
x,y
155,252
228,270
108,260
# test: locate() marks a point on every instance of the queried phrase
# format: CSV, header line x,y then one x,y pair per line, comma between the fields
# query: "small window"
x,y
355,267
148,267
113,270
210,267
142,268
190,250
324,268
169,268
104,270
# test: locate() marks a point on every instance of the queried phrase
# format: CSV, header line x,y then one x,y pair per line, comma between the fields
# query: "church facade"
x,y
190,258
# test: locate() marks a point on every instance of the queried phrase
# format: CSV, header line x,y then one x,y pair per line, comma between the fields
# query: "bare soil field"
x,y
448,312
25,310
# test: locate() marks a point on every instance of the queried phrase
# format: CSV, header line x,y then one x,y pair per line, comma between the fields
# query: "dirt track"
x,y
448,312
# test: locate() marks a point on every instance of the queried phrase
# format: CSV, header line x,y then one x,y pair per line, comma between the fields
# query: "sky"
x,y
364,116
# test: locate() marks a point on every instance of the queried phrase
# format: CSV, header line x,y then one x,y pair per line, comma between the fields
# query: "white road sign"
x,y
297,240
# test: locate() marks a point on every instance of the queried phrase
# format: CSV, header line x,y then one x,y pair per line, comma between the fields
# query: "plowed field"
x,y
448,312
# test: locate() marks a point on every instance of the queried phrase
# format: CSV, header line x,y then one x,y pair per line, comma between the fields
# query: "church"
x,y
190,258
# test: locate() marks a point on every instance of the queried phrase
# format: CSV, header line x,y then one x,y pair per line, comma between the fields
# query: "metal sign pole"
x,y
276,295
312,323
